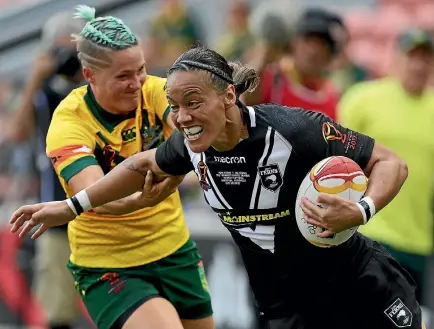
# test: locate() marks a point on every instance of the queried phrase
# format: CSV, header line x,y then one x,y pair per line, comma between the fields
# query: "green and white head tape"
x,y
100,36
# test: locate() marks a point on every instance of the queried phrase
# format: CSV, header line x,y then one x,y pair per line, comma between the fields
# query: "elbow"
x,y
403,170
400,168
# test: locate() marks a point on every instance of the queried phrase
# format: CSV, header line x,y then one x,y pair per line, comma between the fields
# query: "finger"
x,y
312,221
148,181
41,229
20,222
325,234
311,209
27,228
326,199
17,214
28,209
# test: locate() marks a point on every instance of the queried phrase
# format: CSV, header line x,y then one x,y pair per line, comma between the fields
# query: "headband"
x,y
208,68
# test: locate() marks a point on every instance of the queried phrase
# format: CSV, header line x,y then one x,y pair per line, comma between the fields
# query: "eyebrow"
x,y
186,94
127,71
170,98
190,92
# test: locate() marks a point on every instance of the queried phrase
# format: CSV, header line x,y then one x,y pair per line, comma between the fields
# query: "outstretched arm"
x,y
125,179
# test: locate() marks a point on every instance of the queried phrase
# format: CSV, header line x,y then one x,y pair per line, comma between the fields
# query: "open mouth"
x,y
193,133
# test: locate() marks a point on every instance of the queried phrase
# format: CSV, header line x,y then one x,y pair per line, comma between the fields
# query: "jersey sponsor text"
x,y
253,218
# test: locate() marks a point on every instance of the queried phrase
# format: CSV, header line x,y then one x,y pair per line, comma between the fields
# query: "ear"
x,y
230,97
89,75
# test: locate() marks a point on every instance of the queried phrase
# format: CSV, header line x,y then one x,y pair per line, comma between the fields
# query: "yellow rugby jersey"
x,y
82,134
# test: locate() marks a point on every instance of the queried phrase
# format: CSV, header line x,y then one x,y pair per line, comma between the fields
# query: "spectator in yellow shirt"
x,y
399,113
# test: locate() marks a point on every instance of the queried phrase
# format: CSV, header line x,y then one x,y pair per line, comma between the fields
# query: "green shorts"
x,y
108,293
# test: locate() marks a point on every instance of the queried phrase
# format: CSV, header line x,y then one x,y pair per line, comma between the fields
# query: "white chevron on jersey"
x,y
280,152
213,196
261,161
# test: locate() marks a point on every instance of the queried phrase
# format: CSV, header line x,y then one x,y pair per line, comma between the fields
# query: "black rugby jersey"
x,y
253,189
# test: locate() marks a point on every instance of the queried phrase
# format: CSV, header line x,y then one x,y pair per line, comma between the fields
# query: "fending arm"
x,y
125,179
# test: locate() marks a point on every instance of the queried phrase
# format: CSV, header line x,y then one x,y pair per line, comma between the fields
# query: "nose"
x,y
136,83
183,116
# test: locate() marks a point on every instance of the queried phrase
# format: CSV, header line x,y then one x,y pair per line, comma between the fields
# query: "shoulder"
x,y
72,114
330,88
370,88
275,114
73,106
288,121
154,84
366,96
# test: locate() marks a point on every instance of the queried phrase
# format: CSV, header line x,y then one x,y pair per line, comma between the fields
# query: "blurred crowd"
x,y
371,70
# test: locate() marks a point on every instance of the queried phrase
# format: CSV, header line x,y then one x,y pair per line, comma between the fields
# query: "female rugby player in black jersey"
x,y
250,162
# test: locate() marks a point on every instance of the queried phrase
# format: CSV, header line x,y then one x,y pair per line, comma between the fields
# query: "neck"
x,y
235,130
308,80
412,88
106,105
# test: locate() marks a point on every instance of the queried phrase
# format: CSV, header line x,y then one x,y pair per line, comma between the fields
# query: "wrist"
x,y
137,201
79,203
140,202
71,209
367,209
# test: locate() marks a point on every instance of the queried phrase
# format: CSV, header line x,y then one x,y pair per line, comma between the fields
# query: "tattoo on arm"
x,y
129,164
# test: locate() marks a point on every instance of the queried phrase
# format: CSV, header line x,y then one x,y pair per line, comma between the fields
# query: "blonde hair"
x,y
99,37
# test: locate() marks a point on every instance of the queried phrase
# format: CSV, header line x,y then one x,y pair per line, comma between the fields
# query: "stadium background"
x,y
373,26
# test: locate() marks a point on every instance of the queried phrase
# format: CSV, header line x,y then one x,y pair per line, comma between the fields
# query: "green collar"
x,y
107,119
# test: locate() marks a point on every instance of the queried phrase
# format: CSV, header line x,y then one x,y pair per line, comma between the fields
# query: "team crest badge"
x,y
270,176
202,170
399,314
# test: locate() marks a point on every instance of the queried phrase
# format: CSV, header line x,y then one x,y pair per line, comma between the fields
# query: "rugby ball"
x,y
335,175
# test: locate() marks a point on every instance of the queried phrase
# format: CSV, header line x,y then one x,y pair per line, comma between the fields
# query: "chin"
x,y
130,104
197,147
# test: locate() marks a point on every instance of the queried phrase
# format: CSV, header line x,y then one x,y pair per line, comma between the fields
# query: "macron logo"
x,y
230,159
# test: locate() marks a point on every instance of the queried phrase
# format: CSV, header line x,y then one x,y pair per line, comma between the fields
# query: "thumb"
x,y
325,234
148,182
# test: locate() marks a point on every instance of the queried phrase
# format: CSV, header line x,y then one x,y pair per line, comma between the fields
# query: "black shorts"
x,y
381,296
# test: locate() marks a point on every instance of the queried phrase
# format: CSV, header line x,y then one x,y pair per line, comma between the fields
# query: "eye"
x,y
122,76
174,108
141,71
193,104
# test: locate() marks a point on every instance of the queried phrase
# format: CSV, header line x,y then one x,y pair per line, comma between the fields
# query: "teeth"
x,y
193,130
193,133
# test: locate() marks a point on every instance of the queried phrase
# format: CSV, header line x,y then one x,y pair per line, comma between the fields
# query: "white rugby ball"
x,y
335,175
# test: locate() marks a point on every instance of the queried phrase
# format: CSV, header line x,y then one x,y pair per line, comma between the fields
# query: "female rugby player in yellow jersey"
x,y
134,266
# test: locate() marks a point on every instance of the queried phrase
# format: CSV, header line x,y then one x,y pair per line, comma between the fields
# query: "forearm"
x,y
122,181
121,207
385,181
